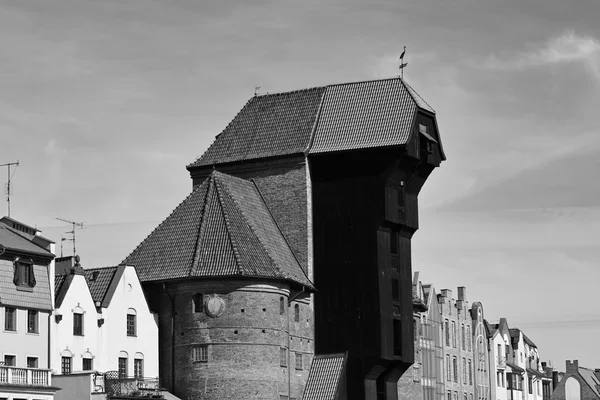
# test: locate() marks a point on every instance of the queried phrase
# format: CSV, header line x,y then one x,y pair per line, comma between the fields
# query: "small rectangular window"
x,y
32,321
122,367
10,319
299,361
283,356
296,313
87,364
200,353
10,361
138,368
66,365
131,328
77,324
32,362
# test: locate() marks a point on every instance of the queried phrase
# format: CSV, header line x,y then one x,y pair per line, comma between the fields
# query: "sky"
x,y
104,104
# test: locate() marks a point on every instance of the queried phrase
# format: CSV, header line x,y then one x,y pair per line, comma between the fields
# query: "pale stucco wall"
x,y
78,298
499,391
22,344
112,337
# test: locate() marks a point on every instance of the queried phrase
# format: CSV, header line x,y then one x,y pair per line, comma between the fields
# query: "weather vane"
x,y
402,63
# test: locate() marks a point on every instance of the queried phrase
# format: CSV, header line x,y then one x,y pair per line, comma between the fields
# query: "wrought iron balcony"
x,y
25,376
118,386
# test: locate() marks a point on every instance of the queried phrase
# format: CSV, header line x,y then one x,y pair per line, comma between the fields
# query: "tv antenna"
x,y
402,63
8,165
74,224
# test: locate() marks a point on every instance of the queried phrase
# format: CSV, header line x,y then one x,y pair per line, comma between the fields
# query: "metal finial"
x,y
402,63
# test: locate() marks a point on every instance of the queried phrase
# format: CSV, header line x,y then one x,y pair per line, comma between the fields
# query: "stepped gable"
x,y
342,117
222,229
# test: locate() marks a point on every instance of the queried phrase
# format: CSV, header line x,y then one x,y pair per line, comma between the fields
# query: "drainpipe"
x,y
172,338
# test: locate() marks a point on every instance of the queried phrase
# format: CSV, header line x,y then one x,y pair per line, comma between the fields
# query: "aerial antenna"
x,y
402,63
8,165
74,224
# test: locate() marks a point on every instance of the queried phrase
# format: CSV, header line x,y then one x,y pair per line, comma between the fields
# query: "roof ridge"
x,y
16,232
412,92
252,229
196,261
236,253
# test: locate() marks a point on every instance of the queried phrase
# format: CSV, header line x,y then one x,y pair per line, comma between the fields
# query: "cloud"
x,y
568,47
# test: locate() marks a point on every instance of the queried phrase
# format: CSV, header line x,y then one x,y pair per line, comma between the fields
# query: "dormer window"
x,y
427,140
24,276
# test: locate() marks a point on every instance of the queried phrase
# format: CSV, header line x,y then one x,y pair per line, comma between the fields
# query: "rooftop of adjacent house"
x,y
100,281
591,379
325,377
514,333
20,241
341,117
222,229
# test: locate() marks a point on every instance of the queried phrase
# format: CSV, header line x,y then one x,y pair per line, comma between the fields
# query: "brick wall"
x,y
244,343
572,372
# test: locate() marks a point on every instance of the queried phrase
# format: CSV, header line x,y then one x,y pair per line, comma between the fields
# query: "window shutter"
x,y
31,276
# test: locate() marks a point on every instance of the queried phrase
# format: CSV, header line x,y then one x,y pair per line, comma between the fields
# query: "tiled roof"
x,y
269,125
99,286
325,378
59,280
591,379
38,298
223,228
331,118
11,240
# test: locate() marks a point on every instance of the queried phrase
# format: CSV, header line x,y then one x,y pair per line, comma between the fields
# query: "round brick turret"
x,y
230,339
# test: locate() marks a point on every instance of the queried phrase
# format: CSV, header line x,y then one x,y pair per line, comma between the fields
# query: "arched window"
x,y
131,322
123,361
297,313
138,365
281,305
198,303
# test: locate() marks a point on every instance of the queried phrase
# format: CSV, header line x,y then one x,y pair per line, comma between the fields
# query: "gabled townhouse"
x,y
578,383
457,346
26,265
480,352
501,369
102,323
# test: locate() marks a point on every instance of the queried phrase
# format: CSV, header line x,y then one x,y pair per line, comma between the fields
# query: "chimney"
x,y
447,293
462,293
555,379
63,265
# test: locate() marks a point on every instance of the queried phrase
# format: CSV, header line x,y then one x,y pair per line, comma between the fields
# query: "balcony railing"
x,y
501,362
113,384
25,376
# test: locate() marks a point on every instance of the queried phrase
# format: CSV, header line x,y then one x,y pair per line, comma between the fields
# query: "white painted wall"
x,y
22,344
113,339
500,390
63,341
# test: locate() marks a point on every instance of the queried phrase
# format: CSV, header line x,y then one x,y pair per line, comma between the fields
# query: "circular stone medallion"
x,y
214,306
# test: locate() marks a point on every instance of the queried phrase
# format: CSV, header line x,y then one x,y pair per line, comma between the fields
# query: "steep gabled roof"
x,y
590,379
377,113
326,377
102,281
222,229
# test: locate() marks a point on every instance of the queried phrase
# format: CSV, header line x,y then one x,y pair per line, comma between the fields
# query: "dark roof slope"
x,y
590,379
223,228
331,118
99,281
10,239
325,378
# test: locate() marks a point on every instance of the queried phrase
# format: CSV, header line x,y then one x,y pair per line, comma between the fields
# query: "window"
x,y
198,303
24,276
453,334
462,337
448,368
530,385
464,370
447,329
77,324
283,356
10,319
122,367
32,362
138,368
469,339
200,353
66,365
10,361
32,321
299,361
455,369
87,364
131,328
281,305
470,372
449,395
296,313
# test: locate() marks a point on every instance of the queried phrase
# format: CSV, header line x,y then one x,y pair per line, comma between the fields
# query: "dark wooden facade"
x,y
365,213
